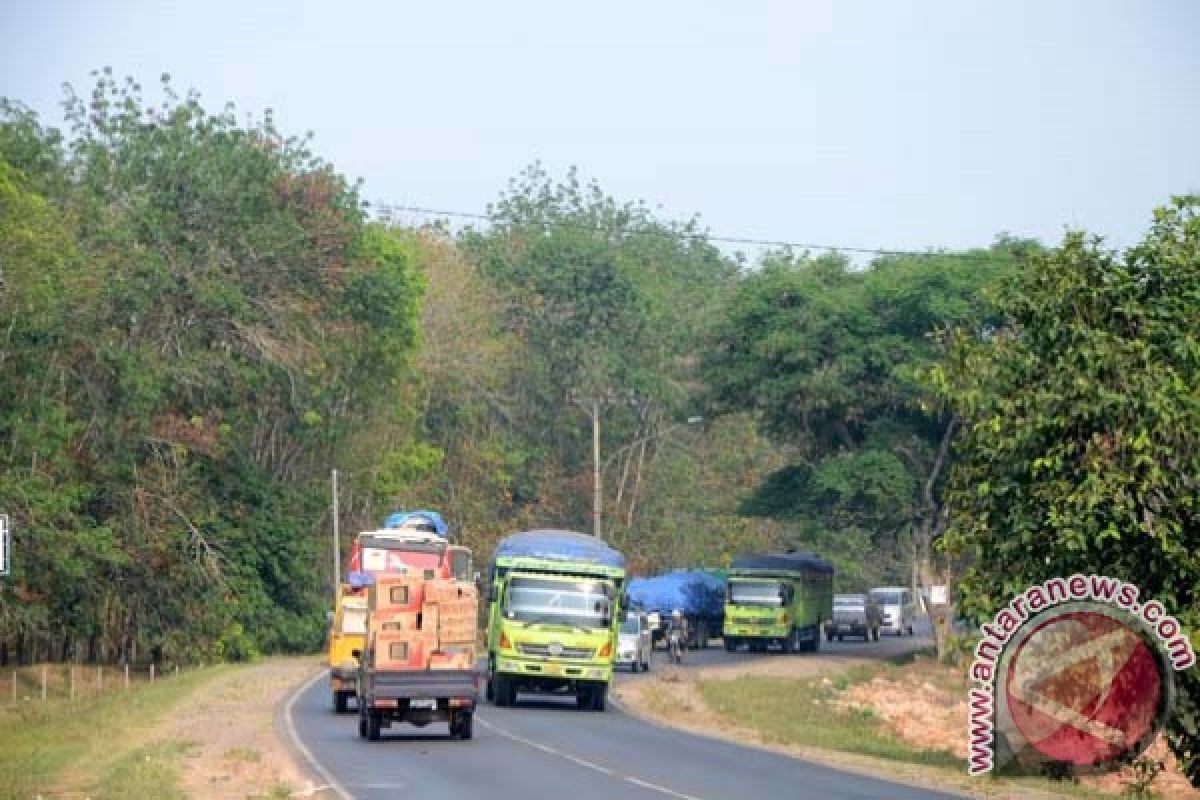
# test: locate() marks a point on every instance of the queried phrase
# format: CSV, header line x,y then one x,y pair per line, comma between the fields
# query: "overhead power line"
x,y
877,251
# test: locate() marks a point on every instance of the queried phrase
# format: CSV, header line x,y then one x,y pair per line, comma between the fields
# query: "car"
x,y
635,642
854,615
899,609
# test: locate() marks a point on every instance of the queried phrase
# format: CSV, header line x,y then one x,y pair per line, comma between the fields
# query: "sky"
x,y
904,125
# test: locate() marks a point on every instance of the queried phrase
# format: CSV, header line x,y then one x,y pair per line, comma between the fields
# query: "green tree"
x,y
201,321
830,356
1080,443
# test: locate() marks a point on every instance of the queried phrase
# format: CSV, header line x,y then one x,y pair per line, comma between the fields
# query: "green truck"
x,y
556,600
777,599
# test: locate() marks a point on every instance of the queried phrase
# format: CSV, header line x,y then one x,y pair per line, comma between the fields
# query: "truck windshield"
x,y
580,604
886,598
630,625
755,593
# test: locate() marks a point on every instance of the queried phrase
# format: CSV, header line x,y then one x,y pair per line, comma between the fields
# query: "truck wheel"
x,y
599,698
462,726
362,726
875,634
498,688
815,645
489,689
646,666
339,701
841,638
730,644
374,721
702,635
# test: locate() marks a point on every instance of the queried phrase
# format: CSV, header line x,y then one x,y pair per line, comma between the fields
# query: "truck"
x,y
854,615
556,601
404,544
419,665
778,599
697,594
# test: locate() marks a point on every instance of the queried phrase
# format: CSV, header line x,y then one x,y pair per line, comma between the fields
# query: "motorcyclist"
x,y
677,630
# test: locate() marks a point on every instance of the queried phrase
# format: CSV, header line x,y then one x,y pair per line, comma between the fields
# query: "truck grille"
x,y
753,620
581,653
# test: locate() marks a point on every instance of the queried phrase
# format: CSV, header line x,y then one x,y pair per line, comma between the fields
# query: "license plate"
x,y
423,702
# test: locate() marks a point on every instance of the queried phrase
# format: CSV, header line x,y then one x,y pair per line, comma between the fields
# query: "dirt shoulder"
x,y
234,750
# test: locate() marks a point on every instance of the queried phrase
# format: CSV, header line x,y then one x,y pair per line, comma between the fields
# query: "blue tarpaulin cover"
x,y
690,591
399,518
557,545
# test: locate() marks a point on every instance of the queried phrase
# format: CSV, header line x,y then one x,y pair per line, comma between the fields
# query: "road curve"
x,y
549,749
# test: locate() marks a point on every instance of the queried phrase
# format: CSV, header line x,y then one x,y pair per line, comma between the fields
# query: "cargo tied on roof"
x,y
557,545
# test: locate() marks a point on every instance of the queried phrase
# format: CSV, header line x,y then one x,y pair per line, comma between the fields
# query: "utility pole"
x,y
337,549
597,496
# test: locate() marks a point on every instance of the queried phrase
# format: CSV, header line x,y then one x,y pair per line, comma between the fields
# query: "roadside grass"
x,y
150,771
94,742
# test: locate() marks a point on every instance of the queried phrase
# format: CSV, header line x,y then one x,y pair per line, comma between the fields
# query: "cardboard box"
x,y
441,591
391,649
457,659
456,634
463,608
395,621
396,592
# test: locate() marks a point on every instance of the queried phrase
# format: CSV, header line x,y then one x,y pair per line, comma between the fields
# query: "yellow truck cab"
x,y
555,606
347,635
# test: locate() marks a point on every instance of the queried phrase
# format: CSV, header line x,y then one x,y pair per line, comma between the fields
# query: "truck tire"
x,y
498,689
599,698
815,645
374,722
730,644
702,635
340,700
362,725
462,726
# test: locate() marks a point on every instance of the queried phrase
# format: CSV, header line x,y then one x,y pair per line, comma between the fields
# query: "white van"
x,y
898,607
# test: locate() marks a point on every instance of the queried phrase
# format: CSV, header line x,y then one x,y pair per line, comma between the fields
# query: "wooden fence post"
x,y
43,682
127,676
152,672
71,682
14,686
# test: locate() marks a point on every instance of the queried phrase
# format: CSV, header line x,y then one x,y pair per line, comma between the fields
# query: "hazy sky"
x,y
893,124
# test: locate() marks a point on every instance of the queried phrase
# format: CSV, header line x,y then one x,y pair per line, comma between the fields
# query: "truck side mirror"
x,y
356,654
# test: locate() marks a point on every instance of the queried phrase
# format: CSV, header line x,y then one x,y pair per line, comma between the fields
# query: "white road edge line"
x,y
332,782
654,787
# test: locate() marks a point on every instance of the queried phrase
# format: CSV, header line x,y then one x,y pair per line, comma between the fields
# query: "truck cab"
x,y
555,607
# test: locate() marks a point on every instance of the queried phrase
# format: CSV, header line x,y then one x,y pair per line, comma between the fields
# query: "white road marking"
x,y
583,762
331,781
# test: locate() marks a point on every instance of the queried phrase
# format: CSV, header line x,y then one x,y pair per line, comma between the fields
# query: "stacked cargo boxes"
x,y
417,623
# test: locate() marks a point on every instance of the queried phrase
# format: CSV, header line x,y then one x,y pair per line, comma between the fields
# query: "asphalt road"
x,y
549,749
